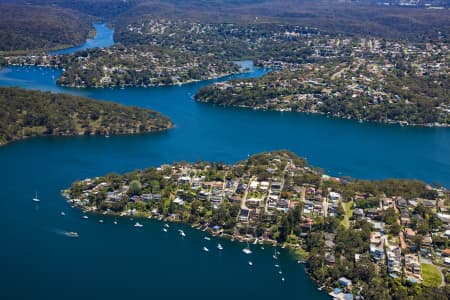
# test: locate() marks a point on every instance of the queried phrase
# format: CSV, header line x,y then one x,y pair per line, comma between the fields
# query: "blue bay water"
x,y
103,38
119,261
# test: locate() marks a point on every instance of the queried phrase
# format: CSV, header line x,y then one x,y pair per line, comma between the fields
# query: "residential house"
x,y
244,215
345,282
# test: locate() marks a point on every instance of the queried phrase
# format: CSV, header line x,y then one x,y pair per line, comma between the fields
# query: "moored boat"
x,y
72,234
35,198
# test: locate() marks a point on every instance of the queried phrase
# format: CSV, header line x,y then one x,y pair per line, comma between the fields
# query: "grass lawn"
x,y
431,275
300,254
348,213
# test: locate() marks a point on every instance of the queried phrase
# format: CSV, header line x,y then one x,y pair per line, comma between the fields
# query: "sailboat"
x,y
36,199
219,247
275,256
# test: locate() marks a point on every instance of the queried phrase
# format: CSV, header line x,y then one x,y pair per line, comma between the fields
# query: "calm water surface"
x,y
103,38
119,261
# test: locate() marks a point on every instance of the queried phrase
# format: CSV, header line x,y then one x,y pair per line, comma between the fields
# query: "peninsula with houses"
x,y
358,237
364,79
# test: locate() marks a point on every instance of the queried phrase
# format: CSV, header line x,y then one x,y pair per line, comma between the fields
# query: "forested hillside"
x,y
31,113
25,27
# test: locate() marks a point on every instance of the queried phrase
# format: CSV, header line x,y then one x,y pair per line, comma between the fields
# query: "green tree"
x,y
135,188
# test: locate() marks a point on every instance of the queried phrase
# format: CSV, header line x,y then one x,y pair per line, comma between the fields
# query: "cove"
x,y
108,261
208,132
104,37
122,262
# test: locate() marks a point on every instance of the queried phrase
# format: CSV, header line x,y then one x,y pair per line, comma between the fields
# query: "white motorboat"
x,y
72,234
247,251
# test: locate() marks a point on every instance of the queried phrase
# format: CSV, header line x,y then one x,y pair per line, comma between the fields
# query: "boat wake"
x,y
64,232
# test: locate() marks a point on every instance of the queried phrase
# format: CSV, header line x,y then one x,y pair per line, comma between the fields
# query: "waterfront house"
x,y
345,282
